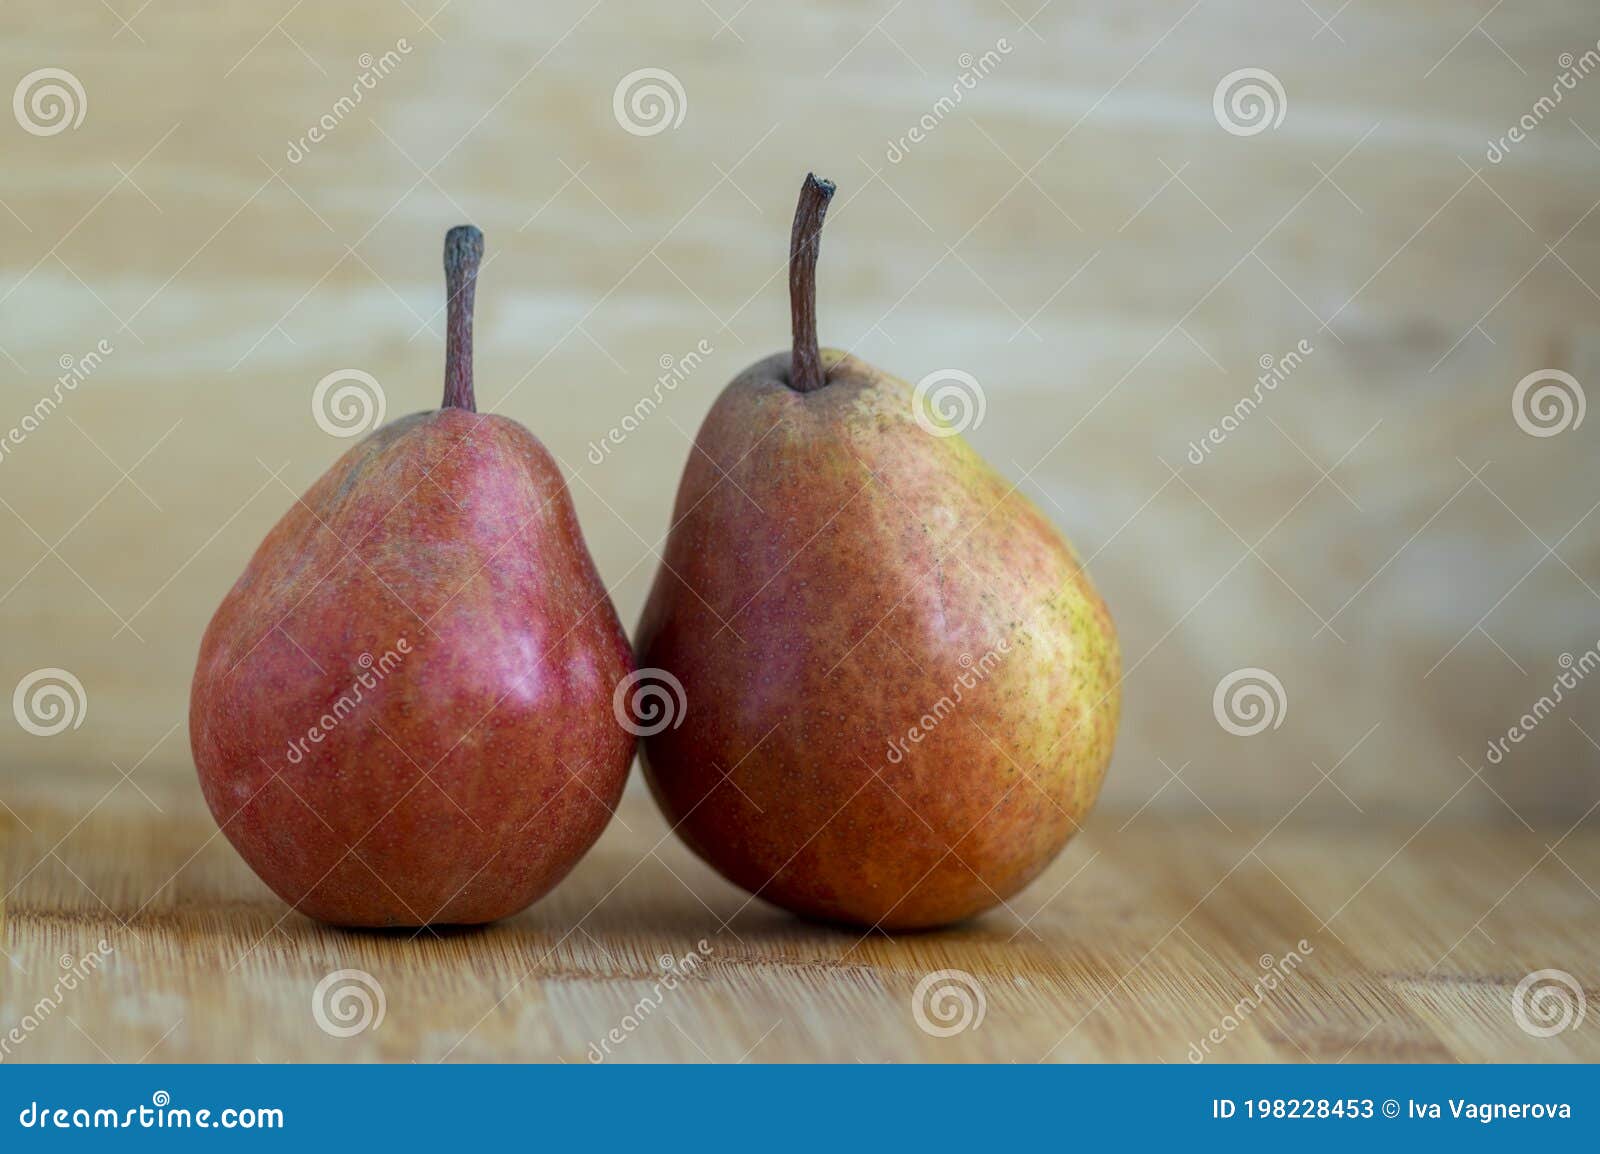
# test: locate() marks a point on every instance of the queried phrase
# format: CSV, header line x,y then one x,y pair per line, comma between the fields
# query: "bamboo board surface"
x,y
1137,944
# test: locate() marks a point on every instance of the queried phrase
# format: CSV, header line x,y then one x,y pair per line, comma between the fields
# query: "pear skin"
x,y
902,689
401,713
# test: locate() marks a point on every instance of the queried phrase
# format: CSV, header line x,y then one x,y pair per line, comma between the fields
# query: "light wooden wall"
x,y
1080,234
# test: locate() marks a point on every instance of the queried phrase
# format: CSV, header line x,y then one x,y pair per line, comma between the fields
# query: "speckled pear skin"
x,y
848,577
461,520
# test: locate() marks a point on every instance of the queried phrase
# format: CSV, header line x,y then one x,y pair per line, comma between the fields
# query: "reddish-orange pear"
x,y
901,689
402,712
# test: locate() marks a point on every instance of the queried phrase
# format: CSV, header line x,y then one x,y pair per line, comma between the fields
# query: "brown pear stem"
x,y
805,372
463,251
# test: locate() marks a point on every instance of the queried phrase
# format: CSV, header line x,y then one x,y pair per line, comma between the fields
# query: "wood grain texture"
x,y
1141,940
1079,233
1083,237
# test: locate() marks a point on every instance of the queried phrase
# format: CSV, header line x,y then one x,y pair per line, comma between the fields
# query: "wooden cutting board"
x,y
1152,939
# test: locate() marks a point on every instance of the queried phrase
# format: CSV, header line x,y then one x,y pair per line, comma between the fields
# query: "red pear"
x,y
900,689
402,712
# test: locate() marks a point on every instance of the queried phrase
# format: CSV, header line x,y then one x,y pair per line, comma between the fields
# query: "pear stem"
x,y
463,251
805,372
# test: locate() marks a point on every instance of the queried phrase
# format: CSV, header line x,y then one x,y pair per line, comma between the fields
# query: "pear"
x,y
901,689
401,713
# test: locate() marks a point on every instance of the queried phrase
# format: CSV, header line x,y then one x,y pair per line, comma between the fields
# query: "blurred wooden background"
x,y
1079,233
